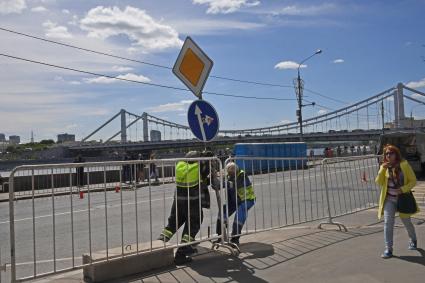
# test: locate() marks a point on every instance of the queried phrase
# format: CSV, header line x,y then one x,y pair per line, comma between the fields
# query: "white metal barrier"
x,y
350,185
291,191
125,210
50,234
288,191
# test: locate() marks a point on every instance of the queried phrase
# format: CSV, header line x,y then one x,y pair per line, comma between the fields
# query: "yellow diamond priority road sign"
x,y
193,66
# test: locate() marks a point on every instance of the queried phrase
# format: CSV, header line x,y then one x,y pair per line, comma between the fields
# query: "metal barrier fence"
x,y
50,234
124,215
291,191
62,180
354,189
288,191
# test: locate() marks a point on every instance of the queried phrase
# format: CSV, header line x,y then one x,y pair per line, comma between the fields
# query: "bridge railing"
x,y
122,217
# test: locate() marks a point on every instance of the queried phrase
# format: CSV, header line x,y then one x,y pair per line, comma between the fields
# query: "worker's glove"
x,y
230,184
215,183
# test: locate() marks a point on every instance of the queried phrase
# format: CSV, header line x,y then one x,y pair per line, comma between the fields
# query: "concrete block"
x,y
118,266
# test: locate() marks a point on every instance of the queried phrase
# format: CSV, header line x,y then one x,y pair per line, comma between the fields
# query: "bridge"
x,y
360,121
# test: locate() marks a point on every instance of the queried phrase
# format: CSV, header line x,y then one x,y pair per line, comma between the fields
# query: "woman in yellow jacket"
x,y
395,177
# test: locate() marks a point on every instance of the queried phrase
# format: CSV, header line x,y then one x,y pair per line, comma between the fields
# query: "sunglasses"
x,y
389,153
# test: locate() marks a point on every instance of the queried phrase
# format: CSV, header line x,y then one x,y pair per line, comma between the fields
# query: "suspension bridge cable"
x,y
325,96
139,82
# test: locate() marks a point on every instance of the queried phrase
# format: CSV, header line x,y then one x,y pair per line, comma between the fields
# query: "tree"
x,y
11,149
47,142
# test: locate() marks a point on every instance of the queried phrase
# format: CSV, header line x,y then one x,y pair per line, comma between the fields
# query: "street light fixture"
x,y
299,92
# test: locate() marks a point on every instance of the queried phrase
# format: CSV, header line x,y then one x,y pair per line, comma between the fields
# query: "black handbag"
x,y
406,203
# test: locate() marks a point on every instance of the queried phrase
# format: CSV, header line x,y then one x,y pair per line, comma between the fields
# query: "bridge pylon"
x,y
123,126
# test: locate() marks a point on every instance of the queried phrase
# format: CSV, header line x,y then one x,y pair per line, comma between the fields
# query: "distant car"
x,y
331,131
357,130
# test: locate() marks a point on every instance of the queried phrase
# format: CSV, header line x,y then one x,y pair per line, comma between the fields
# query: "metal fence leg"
x,y
340,226
12,228
225,243
1,266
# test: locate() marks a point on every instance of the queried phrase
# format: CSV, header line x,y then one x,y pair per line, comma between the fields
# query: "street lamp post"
x,y
411,114
299,93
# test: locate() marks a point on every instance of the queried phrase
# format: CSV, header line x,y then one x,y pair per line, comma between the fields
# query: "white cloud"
x,y
12,6
338,61
226,6
170,107
74,21
65,11
322,112
285,121
145,33
417,84
55,31
295,10
284,65
62,80
122,68
71,126
206,26
39,9
106,80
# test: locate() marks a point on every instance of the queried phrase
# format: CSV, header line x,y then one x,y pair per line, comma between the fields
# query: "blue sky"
x,y
368,46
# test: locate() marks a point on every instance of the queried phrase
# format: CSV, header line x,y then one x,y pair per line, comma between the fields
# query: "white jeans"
x,y
390,208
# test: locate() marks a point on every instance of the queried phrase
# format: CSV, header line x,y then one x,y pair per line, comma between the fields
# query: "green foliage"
x,y
47,142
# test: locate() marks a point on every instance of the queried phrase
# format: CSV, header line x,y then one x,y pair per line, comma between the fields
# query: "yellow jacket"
x,y
382,181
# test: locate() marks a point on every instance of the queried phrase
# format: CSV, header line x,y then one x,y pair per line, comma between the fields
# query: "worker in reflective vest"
x,y
240,198
187,206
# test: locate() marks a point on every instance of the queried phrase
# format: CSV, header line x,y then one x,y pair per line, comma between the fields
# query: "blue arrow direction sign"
x,y
203,120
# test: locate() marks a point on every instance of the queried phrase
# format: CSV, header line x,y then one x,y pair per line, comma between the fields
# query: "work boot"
x,y
236,230
163,238
188,250
180,258
235,240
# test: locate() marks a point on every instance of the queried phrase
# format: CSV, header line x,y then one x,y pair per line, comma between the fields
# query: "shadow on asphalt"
x,y
255,256
420,259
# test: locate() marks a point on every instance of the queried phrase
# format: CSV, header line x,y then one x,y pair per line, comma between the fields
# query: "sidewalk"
x,y
304,254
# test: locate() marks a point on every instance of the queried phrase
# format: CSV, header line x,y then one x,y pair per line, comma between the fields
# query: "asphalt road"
x,y
79,226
